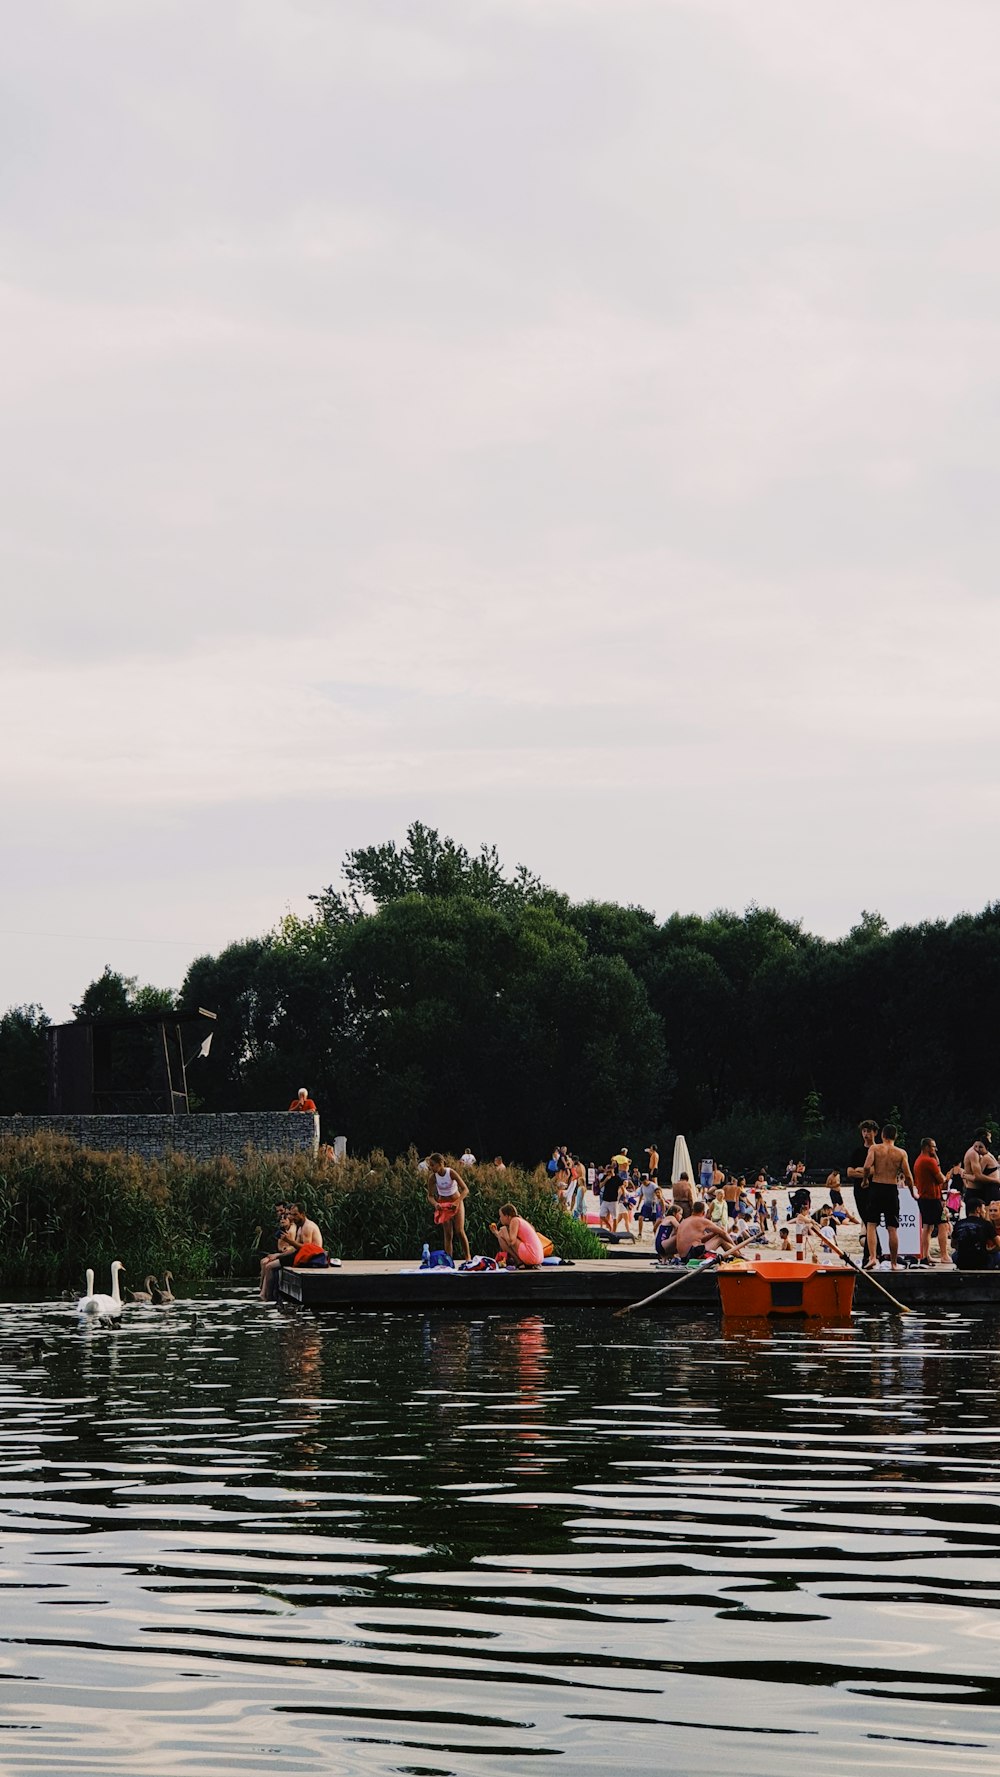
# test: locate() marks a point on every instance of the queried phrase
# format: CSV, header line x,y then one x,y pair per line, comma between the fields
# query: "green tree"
x,y
22,1061
425,865
813,1121
114,996
496,1027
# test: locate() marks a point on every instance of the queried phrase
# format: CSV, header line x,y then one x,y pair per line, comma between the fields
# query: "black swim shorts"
x,y
931,1210
882,1204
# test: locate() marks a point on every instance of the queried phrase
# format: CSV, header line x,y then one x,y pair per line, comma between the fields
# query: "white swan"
x,y
104,1307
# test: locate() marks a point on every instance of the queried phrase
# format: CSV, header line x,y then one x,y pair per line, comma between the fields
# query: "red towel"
x,y
307,1252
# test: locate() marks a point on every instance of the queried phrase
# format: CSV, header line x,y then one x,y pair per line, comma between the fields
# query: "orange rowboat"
x,y
774,1286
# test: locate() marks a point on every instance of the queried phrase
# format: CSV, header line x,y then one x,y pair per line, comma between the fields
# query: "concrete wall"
x,y
203,1137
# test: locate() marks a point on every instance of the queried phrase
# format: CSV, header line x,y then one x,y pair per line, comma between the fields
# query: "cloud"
x,y
517,414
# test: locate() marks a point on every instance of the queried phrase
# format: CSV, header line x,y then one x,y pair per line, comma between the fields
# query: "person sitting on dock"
x,y
308,1239
664,1239
447,1193
974,1241
517,1241
695,1237
283,1239
285,1246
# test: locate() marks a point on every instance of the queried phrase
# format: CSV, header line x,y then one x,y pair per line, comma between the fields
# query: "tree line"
x,y
434,998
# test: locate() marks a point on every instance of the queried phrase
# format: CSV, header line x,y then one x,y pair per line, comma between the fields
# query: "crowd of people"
x,y
959,1209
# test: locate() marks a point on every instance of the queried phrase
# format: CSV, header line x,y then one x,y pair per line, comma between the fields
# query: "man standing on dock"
x,y
931,1186
856,1170
884,1167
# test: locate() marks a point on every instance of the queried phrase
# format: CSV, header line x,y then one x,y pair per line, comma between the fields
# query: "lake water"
x,y
235,1539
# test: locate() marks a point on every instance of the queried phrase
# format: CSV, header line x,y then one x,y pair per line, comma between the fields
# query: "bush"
x,y
63,1207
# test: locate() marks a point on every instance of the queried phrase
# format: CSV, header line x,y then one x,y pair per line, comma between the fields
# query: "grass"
x,y
63,1207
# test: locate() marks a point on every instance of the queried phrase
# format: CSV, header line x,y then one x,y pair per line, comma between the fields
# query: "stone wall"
x,y
203,1136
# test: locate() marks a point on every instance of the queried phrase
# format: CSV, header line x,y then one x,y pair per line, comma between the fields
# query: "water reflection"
x,y
446,1544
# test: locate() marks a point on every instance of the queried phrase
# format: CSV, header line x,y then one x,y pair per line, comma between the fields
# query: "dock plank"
x,y
391,1283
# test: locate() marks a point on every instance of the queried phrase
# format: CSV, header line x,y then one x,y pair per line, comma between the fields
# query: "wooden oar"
x,y
861,1272
711,1259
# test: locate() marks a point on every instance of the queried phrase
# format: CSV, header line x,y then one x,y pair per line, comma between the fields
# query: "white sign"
x,y
909,1224
909,1227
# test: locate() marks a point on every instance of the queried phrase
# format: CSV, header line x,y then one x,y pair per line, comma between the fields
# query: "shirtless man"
x,y
696,1236
683,1194
731,1192
297,1230
305,1232
980,1172
884,1167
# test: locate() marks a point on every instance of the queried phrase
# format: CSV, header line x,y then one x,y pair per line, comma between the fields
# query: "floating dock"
x,y
610,1282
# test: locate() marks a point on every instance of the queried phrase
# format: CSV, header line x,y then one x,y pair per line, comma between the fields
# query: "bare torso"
x,y
888,1165
693,1231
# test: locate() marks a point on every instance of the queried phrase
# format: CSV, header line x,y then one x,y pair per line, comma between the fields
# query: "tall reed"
x,y
63,1207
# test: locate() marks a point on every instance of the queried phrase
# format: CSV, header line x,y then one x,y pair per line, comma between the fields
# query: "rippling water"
x,y
239,1539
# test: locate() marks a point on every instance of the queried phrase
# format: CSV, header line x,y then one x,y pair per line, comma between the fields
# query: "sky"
x,y
569,423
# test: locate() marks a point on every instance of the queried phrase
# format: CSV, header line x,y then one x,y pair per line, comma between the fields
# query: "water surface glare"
x,y
454,1547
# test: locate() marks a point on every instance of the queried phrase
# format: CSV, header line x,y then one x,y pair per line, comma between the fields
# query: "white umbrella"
x,y
681,1161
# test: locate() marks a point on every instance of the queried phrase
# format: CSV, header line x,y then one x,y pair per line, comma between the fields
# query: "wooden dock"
x,y
610,1282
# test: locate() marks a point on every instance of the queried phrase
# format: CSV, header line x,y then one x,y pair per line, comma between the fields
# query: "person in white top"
x,y
468,1158
446,1192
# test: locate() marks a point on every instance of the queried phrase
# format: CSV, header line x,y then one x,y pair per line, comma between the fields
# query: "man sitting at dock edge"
x,y
696,1237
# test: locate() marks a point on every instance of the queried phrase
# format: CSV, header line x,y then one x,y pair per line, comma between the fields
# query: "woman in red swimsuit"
x,y
516,1238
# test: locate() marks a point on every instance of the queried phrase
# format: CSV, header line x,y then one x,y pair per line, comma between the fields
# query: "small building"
x,y
132,1065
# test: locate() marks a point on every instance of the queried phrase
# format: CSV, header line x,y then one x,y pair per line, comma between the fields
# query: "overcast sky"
x,y
572,423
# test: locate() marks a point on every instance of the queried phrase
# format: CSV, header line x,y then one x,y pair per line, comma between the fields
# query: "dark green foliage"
x,y
114,996
517,1025
63,1208
22,1061
813,1124
439,998
426,865
437,1015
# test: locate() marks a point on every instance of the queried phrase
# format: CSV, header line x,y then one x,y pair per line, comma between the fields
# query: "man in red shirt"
x,y
302,1101
930,1183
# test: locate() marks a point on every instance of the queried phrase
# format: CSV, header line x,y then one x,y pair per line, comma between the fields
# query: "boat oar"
x,y
861,1272
685,1277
